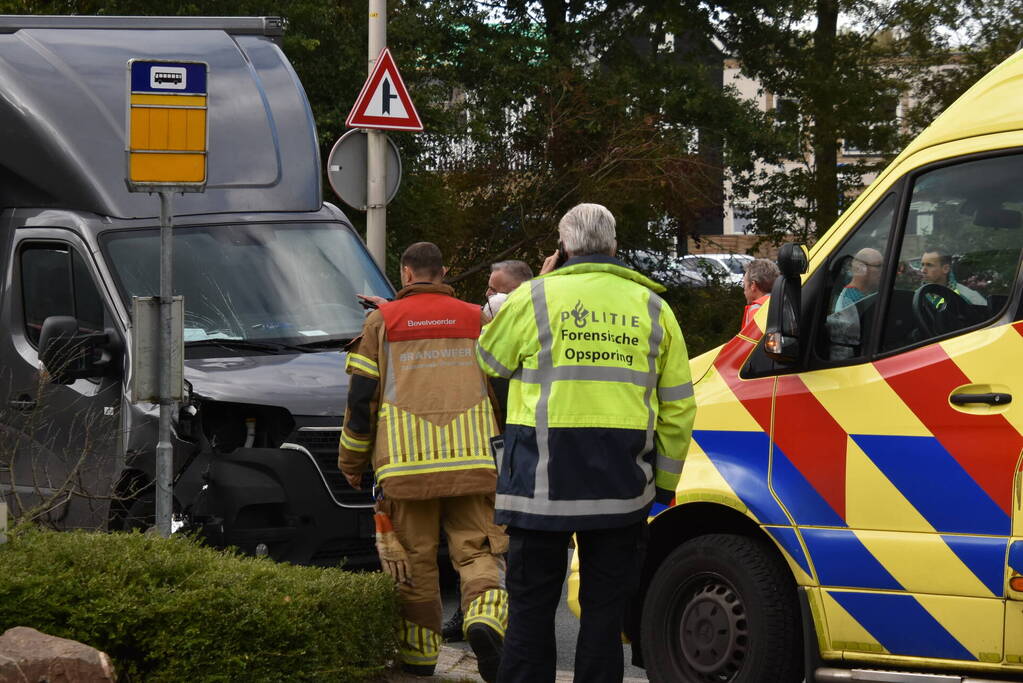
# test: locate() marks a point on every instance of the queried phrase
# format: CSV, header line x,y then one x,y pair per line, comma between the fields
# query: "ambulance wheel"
x,y
722,608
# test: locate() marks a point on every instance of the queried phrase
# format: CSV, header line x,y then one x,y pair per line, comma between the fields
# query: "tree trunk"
x,y
825,133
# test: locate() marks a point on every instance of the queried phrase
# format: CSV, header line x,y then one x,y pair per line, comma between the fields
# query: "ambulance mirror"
x,y
792,260
781,339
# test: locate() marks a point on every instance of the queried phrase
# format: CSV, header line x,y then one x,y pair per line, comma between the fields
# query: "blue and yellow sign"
x,y
167,125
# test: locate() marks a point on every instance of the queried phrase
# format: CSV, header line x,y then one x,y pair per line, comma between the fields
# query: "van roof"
x,y
63,105
992,105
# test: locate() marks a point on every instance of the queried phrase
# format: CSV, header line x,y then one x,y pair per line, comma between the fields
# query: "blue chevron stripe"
x,y
741,458
787,538
841,559
902,625
948,497
984,556
800,498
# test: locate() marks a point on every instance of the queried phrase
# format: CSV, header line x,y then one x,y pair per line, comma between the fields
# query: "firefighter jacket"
x,y
418,405
600,403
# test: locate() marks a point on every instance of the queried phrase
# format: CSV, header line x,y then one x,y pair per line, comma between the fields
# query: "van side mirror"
x,y
68,354
781,340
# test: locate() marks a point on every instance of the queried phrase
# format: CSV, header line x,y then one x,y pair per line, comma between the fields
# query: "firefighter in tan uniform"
x,y
420,409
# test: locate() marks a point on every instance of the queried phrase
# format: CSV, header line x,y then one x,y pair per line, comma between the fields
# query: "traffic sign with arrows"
x,y
384,102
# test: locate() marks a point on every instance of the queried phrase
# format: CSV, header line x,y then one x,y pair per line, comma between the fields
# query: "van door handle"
x,y
992,399
23,403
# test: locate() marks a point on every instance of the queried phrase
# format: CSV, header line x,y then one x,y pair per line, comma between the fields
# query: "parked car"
x,y
666,269
727,267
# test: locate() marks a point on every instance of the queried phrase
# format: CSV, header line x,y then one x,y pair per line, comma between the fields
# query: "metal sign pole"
x,y
376,169
164,449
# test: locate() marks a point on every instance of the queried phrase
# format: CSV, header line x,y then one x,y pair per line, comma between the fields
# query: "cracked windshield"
x,y
292,284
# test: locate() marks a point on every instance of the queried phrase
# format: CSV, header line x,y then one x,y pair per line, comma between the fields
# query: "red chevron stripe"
x,y
812,439
986,446
754,395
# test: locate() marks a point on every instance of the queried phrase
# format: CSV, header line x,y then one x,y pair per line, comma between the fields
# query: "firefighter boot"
x,y
486,619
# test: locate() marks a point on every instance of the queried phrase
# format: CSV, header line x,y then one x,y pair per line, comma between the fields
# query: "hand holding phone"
x,y
370,302
555,260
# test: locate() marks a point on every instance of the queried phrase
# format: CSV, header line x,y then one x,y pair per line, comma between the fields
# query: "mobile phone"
x,y
562,255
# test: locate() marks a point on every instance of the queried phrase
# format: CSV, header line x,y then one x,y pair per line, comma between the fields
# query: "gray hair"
x,y
519,270
762,272
588,229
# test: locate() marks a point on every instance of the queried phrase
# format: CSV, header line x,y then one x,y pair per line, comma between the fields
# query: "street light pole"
x,y
376,161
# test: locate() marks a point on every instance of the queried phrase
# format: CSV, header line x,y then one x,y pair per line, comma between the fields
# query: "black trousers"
x,y
609,562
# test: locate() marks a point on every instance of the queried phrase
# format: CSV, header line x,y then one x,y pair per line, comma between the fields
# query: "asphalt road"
x,y
566,628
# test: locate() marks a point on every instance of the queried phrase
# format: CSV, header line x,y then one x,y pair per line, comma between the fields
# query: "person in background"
x,y
936,268
420,410
757,282
600,415
866,277
505,277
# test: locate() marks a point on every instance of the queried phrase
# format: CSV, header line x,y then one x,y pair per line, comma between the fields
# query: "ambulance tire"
x,y
722,607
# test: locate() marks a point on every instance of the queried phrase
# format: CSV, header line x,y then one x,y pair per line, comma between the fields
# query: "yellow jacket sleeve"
x,y
676,408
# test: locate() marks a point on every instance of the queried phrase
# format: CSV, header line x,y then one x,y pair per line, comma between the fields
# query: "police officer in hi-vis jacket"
x,y
420,410
600,412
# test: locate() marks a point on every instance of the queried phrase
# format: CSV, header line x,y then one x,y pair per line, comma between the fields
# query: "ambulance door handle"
x,y
992,399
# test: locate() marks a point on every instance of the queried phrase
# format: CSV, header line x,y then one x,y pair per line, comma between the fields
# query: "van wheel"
x,y
722,608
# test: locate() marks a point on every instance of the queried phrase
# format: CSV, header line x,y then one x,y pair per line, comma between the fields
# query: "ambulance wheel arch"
x,y
677,534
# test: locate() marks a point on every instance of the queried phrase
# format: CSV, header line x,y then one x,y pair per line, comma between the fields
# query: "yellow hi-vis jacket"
x,y
600,402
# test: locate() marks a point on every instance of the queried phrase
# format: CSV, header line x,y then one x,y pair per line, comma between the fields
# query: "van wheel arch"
x,y
671,529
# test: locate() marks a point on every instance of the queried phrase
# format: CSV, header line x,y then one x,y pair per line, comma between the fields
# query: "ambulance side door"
x,y
897,442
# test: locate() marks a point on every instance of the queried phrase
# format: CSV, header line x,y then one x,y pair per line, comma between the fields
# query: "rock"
x,y
28,656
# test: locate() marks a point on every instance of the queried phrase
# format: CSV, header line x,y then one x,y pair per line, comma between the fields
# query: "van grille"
x,y
323,444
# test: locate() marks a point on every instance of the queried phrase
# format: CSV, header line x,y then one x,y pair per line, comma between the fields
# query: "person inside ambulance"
x,y
936,269
866,277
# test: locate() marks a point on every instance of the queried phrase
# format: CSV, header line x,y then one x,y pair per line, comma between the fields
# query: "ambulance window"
x,y
56,281
960,250
855,274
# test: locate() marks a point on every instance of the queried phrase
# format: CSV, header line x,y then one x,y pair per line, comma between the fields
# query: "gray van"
x,y
268,271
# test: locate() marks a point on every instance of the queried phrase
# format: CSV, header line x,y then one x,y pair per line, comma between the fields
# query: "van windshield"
x,y
292,283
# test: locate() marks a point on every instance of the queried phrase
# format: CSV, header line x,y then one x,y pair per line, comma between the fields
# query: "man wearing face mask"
x,y
505,277
419,409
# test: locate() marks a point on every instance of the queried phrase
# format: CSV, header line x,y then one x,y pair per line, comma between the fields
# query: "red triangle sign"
x,y
384,102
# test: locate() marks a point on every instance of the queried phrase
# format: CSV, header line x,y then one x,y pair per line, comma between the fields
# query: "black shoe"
x,y
451,631
418,669
487,645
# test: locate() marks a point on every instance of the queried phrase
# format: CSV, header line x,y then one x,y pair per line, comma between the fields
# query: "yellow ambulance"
x,y
851,507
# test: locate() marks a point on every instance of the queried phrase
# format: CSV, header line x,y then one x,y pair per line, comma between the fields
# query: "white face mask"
x,y
493,304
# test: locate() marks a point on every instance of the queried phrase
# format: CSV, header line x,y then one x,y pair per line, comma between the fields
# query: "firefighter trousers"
x,y
476,546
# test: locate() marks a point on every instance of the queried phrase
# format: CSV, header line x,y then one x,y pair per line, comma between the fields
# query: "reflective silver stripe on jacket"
x,y
494,364
541,483
675,393
669,465
575,508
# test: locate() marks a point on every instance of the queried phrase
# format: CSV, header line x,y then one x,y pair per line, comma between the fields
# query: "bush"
x,y
709,316
172,610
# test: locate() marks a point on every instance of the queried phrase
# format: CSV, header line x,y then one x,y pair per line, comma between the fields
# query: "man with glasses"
x,y
866,278
505,277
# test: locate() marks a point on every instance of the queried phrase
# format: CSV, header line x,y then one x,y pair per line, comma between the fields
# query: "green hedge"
x,y
172,610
